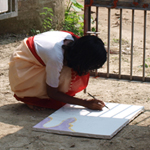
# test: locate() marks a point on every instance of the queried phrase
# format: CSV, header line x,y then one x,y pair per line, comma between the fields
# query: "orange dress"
x,y
27,78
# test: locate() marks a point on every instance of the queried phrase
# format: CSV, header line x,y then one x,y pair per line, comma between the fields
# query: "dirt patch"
x,y
17,120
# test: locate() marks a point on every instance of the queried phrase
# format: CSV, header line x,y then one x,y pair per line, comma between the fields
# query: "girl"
x,y
48,69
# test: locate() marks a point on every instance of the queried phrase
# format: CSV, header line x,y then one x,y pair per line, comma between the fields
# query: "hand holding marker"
x,y
95,98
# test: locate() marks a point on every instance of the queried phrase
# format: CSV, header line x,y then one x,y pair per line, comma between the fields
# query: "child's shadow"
x,y
20,115
17,120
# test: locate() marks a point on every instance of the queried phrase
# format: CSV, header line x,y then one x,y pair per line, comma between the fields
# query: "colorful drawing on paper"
x,y
64,125
79,121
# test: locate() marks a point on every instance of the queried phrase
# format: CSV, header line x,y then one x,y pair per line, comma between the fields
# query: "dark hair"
x,y
85,54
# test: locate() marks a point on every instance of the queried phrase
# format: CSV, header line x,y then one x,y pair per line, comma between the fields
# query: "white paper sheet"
x,y
79,121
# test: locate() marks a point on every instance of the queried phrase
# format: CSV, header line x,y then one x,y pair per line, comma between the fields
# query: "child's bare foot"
x,y
35,107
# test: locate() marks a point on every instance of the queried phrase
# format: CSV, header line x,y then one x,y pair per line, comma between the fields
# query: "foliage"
x,y
146,64
34,32
73,19
47,21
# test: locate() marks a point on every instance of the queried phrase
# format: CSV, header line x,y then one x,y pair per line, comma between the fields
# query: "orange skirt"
x,y
27,78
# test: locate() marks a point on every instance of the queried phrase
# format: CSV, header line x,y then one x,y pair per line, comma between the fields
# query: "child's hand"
x,y
95,104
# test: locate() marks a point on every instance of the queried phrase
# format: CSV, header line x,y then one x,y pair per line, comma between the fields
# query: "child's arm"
x,y
60,96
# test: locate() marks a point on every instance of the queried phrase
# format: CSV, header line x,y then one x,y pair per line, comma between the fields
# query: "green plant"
x,y
73,19
116,40
34,32
146,64
47,18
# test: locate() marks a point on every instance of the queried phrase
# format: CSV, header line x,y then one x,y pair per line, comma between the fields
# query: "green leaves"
x,y
73,20
76,8
73,1
34,32
146,65
47,18
76,4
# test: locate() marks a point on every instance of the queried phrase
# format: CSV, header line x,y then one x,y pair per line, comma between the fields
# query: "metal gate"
x,y
8,9
144,6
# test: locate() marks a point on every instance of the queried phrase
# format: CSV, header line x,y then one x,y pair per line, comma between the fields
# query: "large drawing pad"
x,y
79,121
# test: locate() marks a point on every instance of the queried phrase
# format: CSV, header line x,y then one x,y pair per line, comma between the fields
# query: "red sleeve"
x,y
72,34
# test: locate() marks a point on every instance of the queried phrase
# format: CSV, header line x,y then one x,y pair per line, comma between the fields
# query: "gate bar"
x,y
87,19
120,42
132,37
96,31
144,44
97,19
108,47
